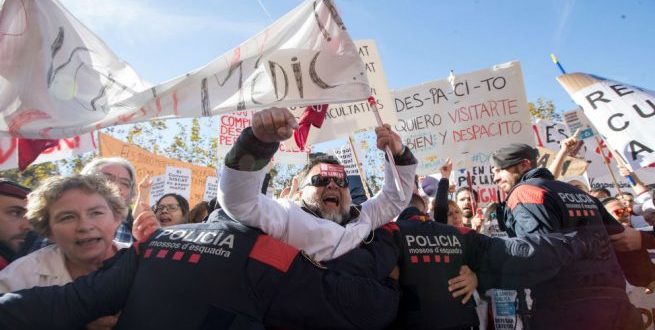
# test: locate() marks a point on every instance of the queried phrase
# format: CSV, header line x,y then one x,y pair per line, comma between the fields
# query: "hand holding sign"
x,y
273,125
143,194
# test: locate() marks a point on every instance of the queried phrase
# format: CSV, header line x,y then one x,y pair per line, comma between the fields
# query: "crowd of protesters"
x,y
88,250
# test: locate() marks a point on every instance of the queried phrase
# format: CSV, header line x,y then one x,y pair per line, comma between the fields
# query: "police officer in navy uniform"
x,y
431,253
589,293
218,275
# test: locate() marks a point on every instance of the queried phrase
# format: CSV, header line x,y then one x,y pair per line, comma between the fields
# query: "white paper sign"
x,y
178,181
211,187
158,188
346,157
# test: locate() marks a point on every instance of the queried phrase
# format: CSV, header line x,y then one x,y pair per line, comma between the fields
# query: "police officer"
x,y
589,293
431,253
217,275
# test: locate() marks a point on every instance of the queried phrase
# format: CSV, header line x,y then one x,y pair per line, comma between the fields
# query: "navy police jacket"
x,y
217,275
431,253
540,205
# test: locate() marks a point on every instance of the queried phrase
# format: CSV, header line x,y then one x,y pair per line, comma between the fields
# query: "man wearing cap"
x,y
13,223
590,293
323,223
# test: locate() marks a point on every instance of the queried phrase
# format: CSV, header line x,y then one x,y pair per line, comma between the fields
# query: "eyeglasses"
x,y
322,181
124,182
168,208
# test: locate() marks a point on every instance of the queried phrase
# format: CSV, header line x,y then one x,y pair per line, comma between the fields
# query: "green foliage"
x,y
544,110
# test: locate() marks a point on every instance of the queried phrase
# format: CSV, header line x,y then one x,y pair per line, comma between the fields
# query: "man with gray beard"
x,y
323,223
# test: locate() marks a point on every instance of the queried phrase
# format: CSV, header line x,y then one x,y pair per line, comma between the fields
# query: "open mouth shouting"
x,y
87,242
331,200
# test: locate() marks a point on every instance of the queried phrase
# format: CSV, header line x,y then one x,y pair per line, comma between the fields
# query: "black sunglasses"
x,y
322,181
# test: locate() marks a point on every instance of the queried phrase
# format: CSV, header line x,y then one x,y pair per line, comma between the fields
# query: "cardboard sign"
x,y
178,181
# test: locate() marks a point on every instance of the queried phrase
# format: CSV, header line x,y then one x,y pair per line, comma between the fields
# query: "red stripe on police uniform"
x,y
273,253
426,259
571,213
391,227
446,259
592,213
526,194
413,259
578,213
147,254
585,213
437,259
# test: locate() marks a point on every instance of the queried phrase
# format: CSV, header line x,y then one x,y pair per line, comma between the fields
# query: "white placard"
x,y
178,181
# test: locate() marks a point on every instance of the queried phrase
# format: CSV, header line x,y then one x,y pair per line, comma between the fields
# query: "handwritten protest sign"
x,y
158,188
76,84
211,188
622,114
570,167
148,163
344,119
66,149
346,157
465,120
230,126
481,109
178,181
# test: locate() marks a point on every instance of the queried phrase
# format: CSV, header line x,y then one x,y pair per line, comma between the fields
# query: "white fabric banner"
x,y
623,114
76,84
66,149
344,119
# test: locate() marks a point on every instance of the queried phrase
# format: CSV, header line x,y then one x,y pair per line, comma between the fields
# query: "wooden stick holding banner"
x,y
396,176
606,161
474,202
362,175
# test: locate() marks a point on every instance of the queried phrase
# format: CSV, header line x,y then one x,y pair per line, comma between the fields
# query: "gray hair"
x,y
96,164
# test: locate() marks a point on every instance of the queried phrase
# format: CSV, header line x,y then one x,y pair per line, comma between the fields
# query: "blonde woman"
x,y
80,214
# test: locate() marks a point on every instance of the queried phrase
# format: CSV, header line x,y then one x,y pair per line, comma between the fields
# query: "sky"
x,y
418,41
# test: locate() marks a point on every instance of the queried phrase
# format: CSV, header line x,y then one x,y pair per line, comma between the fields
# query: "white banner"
x,y
76,84
66,149
344,119
622,114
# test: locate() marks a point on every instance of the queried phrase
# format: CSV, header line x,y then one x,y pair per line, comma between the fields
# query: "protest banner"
x,y
306,57
345,156
148,163
211,188
344,119
622,114
66,149
230,126
465,120
178,181
158,188
549,134
571,166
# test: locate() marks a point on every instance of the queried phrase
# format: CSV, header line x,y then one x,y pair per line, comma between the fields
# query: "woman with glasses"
x,y
172,209
80,214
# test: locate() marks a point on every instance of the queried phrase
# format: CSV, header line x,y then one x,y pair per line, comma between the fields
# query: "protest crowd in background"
x,y
443,205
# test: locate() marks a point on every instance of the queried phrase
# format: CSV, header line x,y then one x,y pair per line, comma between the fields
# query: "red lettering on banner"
x,y
25,118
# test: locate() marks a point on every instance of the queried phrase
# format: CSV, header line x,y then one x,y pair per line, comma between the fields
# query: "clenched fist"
x,y
273,124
